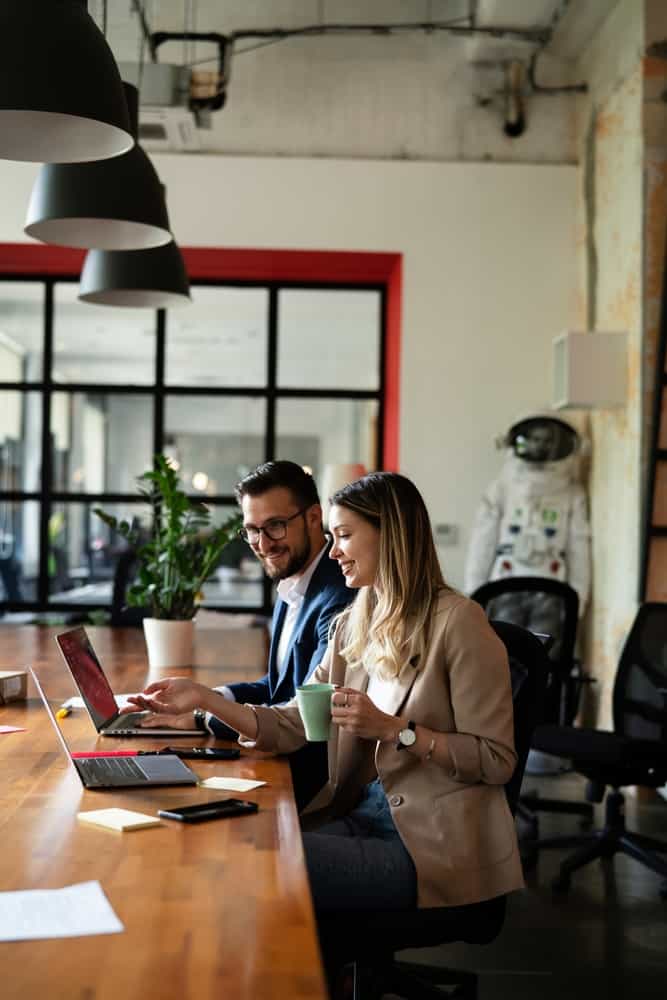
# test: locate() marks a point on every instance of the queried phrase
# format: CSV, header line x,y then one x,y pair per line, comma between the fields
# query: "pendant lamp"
x,y
115,204
61,97
150,279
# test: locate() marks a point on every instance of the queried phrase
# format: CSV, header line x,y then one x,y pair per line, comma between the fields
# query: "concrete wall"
x,y
620,240
411,96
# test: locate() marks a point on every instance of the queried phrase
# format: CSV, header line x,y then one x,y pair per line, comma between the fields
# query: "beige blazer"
x,y
455,822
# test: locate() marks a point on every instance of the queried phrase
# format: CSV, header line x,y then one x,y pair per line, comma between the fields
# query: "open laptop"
x,y
121,772
98,698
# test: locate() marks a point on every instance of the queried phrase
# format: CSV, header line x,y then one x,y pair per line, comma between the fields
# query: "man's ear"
x,y
314,516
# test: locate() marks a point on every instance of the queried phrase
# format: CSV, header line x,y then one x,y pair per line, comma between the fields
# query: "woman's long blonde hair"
x,y
387,624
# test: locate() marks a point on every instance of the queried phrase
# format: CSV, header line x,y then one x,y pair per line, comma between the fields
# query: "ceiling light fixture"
x,y
61,98
140,279
115,204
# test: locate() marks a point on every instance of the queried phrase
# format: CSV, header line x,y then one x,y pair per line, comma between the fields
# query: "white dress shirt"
x,y
291,590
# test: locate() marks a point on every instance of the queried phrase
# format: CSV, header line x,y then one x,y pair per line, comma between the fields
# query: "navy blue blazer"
x,y
326,595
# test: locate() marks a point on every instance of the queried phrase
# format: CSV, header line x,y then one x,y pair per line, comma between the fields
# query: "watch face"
x,y
407,737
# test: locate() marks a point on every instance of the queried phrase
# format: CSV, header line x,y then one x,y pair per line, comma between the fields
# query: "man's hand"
x,y
354,711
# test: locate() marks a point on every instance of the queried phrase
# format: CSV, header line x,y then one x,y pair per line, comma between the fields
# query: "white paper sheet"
x,y
77,702
75,911
231,784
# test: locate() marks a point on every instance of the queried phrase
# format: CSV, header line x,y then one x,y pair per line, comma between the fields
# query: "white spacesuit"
x,y
533,519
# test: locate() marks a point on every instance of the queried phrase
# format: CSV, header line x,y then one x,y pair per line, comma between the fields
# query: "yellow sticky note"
x,y
118,819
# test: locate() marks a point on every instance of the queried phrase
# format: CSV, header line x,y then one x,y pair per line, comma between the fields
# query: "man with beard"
x,y
282,524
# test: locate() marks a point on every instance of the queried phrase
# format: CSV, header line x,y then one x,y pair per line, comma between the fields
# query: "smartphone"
x,y
203,753
209,810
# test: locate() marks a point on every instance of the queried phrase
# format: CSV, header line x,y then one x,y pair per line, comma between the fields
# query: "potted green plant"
x,y
183,550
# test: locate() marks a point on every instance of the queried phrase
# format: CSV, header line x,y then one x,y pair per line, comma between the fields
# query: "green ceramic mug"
x,y
314,701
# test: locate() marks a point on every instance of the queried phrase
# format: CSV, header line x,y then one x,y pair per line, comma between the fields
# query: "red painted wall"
x,y
321,266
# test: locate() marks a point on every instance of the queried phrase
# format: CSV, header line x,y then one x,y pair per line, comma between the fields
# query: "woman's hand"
x,y
160,720
354,711
173,696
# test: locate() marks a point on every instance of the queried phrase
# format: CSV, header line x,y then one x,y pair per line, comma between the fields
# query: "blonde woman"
x,y
414,812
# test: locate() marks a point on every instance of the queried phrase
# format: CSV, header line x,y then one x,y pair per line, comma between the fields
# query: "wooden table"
x,y
219,910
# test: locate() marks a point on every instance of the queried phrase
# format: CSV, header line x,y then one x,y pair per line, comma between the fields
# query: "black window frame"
x,y
159,391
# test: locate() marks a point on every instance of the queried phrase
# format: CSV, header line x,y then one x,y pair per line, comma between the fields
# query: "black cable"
x,y
574,88
147,35
537,35
570,88
273,35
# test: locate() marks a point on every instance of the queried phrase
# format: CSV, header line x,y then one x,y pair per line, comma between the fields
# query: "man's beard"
x,y
297,562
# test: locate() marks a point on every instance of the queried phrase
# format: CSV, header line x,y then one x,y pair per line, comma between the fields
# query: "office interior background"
x,y
384,272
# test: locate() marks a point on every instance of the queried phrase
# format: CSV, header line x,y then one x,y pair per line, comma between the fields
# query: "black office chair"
x,y
369,939
551,606
123,616
635,753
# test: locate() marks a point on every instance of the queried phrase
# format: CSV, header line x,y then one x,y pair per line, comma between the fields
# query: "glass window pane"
x,y
321,432
20,440
341,326
19,550
21,330
101,442
97,344
221,339
215,440
238,578
83,551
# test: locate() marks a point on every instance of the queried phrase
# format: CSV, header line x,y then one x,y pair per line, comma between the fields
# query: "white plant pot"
x,y
169,644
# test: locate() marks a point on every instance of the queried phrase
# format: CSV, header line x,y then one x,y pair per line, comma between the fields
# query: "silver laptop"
x,y
121,772
87,673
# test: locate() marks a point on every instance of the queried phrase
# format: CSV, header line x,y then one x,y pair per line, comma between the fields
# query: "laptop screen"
x,y
88,676
49,712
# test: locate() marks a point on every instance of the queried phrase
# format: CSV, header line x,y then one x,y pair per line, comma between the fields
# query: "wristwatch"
x,y
407,737
200,720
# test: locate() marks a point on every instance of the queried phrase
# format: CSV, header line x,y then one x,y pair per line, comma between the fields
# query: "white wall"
x,y
488,281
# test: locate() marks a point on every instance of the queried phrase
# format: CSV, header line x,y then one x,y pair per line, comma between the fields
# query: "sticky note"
x,y
231,784
118,819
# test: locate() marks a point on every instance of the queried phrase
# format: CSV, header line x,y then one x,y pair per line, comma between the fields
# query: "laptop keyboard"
x,y
101,770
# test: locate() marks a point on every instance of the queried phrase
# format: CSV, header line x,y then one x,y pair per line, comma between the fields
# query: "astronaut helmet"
x,y
542,438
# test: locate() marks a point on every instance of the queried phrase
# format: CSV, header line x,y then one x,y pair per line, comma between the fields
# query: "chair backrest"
x,y
640,687
122,615
530,669
547,606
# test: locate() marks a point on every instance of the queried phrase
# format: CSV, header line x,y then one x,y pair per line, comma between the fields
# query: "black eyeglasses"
x,y
275,529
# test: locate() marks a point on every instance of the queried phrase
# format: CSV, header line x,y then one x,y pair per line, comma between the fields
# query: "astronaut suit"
x,y
533,521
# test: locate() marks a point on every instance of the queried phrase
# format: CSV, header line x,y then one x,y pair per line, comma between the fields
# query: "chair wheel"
x,y
561,884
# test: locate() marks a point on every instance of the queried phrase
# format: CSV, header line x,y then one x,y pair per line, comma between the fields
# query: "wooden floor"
x,y
606,938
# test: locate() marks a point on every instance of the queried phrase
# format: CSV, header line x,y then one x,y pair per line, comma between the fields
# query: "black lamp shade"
x,y
61,96
150,279
115,204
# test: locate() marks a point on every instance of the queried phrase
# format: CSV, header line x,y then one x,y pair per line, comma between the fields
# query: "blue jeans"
x,y
359,862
